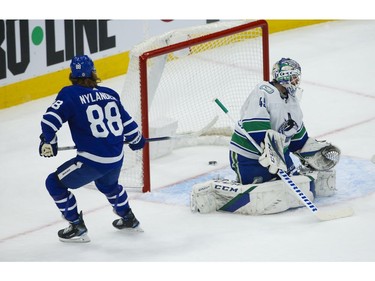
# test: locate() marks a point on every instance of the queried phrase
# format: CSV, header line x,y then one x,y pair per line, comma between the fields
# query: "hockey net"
x,y
173,78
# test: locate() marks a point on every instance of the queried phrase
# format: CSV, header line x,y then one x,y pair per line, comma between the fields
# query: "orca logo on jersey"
x,y
288,125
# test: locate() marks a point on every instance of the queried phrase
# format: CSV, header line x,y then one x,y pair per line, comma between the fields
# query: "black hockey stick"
x,y
147,140
189,135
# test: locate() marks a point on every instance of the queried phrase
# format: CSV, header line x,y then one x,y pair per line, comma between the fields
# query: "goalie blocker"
x,y
259,199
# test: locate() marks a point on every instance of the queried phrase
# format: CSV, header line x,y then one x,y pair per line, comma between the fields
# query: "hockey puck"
x,y
212,163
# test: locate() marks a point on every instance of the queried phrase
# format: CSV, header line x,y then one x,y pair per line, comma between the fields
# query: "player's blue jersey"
x,y
98,123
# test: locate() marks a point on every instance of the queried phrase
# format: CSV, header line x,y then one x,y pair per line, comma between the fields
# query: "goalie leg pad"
x,y
275,197
213,195
325,181
325,184
202,198
252,199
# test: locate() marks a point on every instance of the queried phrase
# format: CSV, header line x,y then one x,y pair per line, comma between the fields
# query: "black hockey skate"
x,y
76,232
128,222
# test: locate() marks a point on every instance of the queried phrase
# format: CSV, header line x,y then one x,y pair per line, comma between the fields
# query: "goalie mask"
x,y
287,72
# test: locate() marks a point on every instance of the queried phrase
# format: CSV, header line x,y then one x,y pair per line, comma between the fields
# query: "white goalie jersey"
x,y
256,118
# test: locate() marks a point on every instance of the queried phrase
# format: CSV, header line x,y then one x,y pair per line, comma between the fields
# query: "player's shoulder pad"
x,y
267,88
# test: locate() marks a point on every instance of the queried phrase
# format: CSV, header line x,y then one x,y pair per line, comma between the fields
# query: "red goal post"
x,y
173,78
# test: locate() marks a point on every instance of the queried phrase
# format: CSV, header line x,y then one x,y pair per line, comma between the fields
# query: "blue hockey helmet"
x,y
287,72
82,67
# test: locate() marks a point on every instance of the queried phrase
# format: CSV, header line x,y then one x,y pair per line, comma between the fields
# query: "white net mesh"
x,y
181,86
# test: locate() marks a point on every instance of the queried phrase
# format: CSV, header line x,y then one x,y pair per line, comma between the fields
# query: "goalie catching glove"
x,y
319,155
273,152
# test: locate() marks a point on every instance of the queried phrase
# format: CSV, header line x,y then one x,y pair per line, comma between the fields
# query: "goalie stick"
x,y
189,135
323,215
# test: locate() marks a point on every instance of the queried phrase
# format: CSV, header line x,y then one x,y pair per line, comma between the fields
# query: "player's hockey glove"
x,y
47,149
138,142
273,152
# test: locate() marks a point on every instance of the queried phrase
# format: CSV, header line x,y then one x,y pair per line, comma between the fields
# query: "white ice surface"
x,y
337,60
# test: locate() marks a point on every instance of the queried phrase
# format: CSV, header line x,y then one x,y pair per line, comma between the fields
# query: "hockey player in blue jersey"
x,y
99,126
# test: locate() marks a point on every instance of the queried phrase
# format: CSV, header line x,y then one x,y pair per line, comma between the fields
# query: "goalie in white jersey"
x,y
272,116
